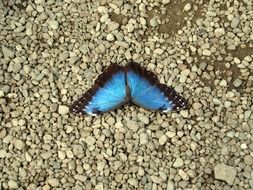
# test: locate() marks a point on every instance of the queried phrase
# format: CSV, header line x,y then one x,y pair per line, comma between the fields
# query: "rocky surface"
x,y
50,53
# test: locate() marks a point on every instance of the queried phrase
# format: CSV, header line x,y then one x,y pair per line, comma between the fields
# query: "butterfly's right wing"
x,y
108,93
147,92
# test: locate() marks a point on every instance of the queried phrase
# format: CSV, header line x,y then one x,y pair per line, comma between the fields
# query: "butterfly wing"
x,y
108,93
147,92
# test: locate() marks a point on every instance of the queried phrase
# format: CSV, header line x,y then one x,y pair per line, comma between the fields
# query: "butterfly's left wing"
x,y
147,92
108,93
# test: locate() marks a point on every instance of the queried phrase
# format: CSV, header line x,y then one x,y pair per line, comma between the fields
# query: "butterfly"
x,y
119,85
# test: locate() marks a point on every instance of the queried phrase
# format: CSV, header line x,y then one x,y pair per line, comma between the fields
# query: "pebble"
x,y
178,163
248,160
163,139
235,22
53,24
13,184
154,21
237,82
54,182
90,140
206,52
225,173
46,155
1,93
63,110
143,119
223,83
3,153
7,52
187,7
133,182
156,179
143,138
110,37
183,175
170,185
219,32
19,144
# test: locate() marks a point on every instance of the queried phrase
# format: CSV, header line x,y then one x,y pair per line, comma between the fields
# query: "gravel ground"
x,y
52,50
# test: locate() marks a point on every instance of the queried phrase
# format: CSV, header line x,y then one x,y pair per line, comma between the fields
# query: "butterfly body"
x,y
119,85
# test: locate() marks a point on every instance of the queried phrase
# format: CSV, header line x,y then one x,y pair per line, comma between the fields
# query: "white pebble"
x,y
63,110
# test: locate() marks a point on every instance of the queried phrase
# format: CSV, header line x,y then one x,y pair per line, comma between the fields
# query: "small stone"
x,y
206,52
79,177
170,134
53,24
61,154
170,185
90,140
99,186
54,182
63,110
154,21
13,184
83,48
143,119
158,51
133,182
248,160
219,32
235,22
7,52
225,173
237,82
133,125
27,69
178,163
187,7
16,67
3,153
19,144
39,1
110,37
143,138
1,93
223,83
163,139
196,105
183,175
100,166
46,155
156,179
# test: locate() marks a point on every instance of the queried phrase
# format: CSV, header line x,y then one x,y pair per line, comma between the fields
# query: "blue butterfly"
x,y
118,85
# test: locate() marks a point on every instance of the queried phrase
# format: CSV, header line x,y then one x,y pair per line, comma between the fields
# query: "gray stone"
x,y
90,140
225,173
63,110
163,139
19,144
3,153
143,119
133,182
237,82
178,163
13,184
170,185
235,22
187,7
143,138
7,52
54,182
53,24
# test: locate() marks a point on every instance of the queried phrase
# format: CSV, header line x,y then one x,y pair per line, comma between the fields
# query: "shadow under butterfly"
x,y
118,85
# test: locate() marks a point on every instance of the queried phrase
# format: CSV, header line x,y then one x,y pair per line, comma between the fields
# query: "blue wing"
x,y
147,92
108,93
